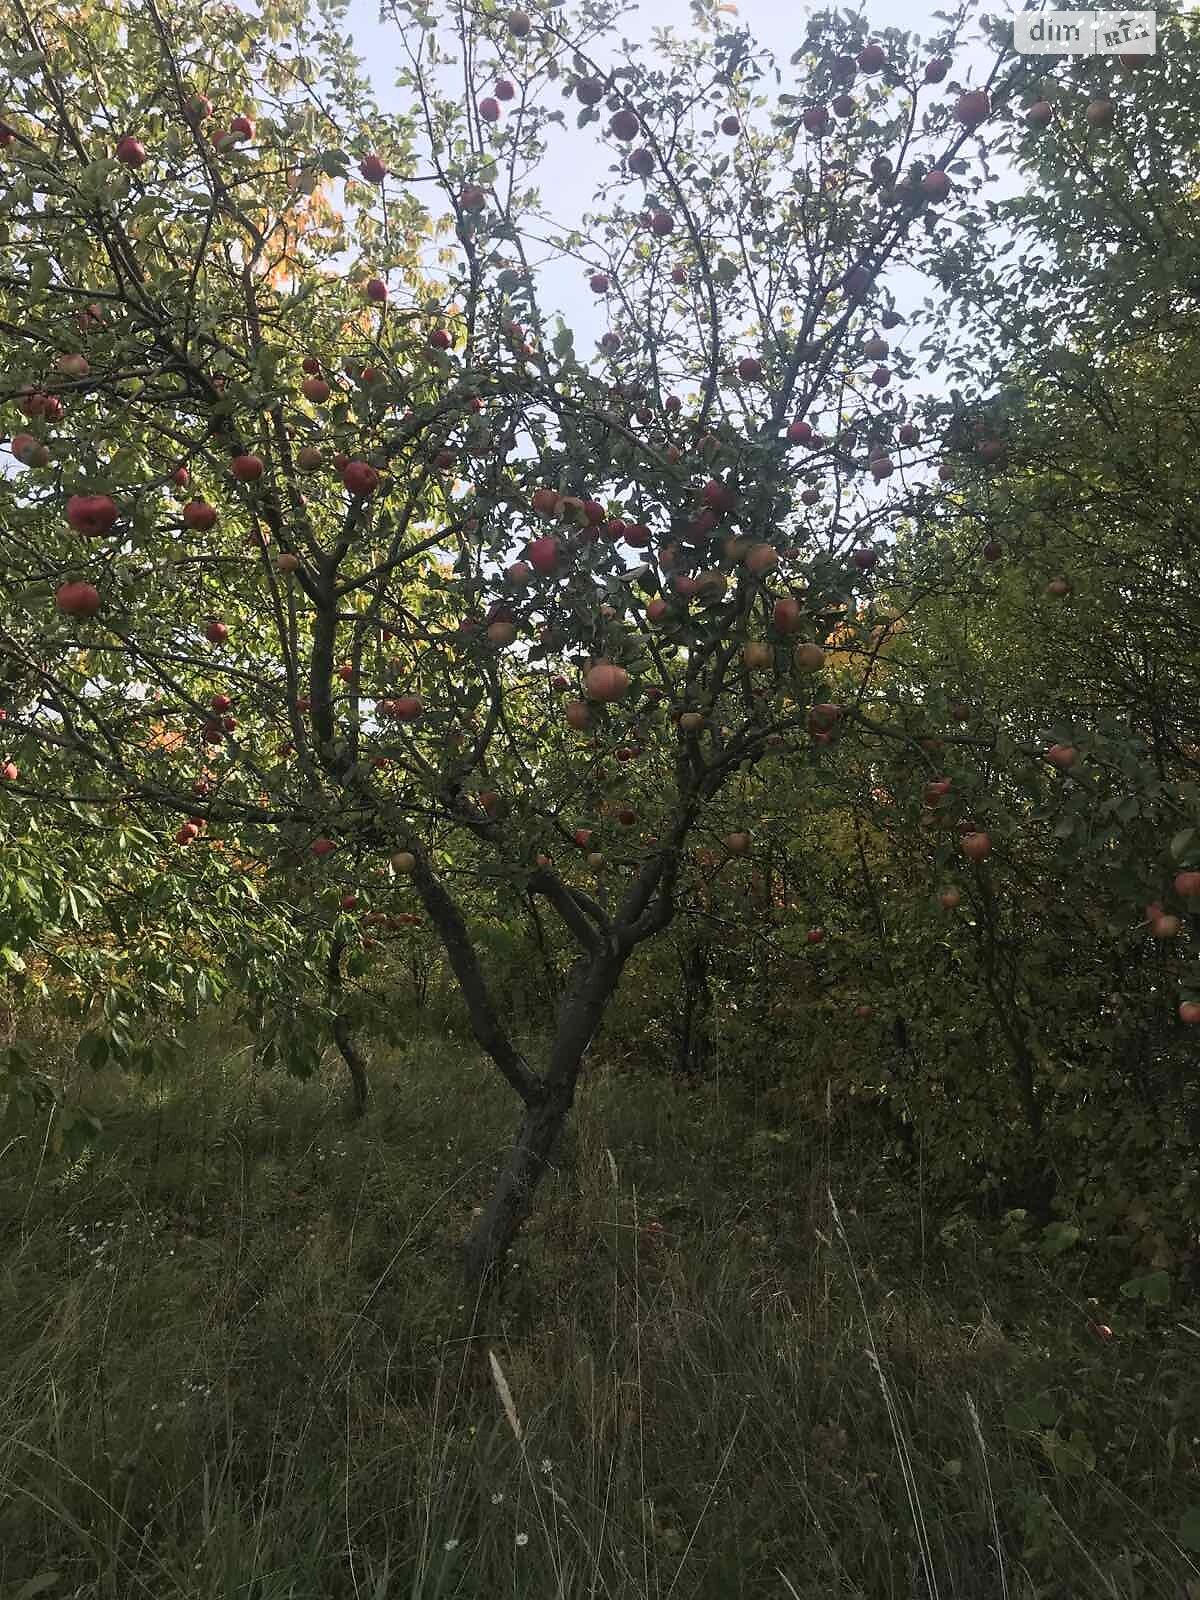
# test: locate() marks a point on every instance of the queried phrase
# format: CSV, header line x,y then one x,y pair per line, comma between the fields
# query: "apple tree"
x,y
409,572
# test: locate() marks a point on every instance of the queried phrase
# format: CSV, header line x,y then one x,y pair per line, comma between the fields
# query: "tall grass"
x,y
731,1362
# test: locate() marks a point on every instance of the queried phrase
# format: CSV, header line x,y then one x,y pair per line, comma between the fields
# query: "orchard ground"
x,y
236,1361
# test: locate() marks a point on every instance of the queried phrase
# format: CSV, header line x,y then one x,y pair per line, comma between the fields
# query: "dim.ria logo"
x,y
1085,33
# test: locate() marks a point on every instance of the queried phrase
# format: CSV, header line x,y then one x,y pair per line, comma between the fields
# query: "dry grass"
x,y
236,1363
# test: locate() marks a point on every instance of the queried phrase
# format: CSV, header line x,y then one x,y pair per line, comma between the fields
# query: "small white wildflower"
x,y
451,1544
547,1464
522,1538
497,1497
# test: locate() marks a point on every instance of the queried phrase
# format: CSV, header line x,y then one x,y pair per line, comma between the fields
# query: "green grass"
x,y
236,1362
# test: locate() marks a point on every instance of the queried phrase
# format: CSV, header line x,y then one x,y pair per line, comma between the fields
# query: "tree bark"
x,y
697,999
591,984
360,1088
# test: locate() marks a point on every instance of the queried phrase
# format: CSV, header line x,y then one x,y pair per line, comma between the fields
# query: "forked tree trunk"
x,y
589,989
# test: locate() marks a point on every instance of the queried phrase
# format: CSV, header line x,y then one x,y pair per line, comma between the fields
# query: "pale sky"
x,y
574,164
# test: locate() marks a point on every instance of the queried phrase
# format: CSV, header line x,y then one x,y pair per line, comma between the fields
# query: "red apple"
x,y
719,496
730,125
543,555
316,390
578,715
815,936
199,515
810,657
1040,114
1189,1010
949,899
131,151
972,108
322,847
360,479
246,468
975,846
936,69
377,291
308,458
936,185
77,599
408,708
1187,885
91,513
786,615
372,169
871,59
606,682
216,633
738,844
624,126
1061,756
1099,113
760,559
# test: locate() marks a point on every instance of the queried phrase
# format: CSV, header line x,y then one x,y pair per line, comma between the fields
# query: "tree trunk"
x,y
589,989
359,1087
697,999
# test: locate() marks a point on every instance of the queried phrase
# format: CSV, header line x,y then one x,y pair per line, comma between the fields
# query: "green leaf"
x,y
1057,1237
1153,1287
1182,843
1188,1532
1028,1416
1071,1457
